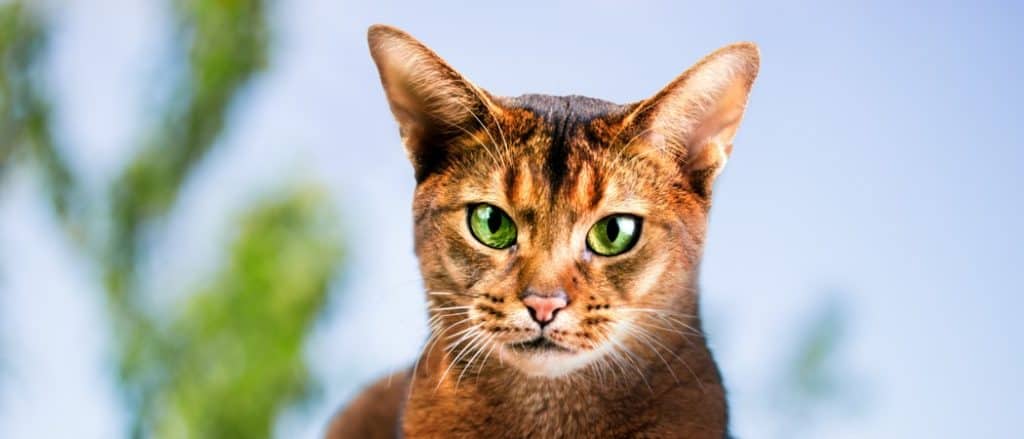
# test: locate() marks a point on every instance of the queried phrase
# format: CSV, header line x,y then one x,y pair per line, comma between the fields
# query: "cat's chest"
x,y
541,413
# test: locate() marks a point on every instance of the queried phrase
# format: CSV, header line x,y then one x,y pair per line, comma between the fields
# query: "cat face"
x,y
556,233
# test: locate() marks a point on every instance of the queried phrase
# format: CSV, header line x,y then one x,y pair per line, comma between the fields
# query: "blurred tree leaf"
x,y
226,42
24,109
224,45
813,378
236,356
812,375
232,359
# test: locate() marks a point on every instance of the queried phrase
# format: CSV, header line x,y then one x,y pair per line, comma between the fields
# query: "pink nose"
x,y
544,308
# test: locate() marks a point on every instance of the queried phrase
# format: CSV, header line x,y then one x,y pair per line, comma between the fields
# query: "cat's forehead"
x,y
560,109
562,135
556,153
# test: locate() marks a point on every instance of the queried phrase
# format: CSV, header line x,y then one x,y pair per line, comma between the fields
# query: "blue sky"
x,y
881,158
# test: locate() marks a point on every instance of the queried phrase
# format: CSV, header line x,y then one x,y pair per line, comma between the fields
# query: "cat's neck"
x,y
672,380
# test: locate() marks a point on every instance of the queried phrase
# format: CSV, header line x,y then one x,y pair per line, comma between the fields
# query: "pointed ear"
x,y
432,103
696,116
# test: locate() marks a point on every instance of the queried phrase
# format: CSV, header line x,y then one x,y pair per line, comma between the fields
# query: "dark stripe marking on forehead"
x,y
563,115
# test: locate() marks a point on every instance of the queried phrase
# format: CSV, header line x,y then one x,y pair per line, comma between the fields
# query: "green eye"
x,y
491,226
614,234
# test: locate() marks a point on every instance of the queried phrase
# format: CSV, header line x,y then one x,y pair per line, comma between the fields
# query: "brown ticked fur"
x,y
632,360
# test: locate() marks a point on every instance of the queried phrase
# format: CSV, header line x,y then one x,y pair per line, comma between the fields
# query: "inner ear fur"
x,y
696,116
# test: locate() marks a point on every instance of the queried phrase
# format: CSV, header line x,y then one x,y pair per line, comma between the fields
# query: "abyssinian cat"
x,y
559,239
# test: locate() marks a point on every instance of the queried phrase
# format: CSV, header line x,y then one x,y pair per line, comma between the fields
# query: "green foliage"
x,y
24,111
236,358
226,45
813,378
812,375
231,360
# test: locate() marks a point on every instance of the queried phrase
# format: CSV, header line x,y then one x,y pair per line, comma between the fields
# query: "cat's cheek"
x,y
651,277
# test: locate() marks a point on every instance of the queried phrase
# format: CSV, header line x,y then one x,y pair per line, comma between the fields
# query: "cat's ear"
x,y
432,102
696,116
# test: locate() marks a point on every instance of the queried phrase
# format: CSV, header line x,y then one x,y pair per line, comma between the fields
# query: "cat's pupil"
x,y
493,221
612,229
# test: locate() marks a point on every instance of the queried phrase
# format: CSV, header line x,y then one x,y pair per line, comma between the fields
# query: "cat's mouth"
x,y
544,357
539,344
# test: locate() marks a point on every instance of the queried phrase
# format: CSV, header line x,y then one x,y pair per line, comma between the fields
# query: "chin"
x,y
547,361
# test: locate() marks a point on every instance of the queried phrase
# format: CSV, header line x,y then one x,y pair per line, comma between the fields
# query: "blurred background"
x,y
205,208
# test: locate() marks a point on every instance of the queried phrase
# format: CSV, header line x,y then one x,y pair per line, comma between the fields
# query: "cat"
x,y
559,240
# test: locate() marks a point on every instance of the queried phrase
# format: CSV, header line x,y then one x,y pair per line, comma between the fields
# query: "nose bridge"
x,y
548,274
551,256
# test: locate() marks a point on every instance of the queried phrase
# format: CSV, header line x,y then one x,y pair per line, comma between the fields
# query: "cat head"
x,y
555,232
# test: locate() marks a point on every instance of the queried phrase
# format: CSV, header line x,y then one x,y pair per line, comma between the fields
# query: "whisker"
x,y
658,311
479,349
685,332
480,367
654,339
452,293
463,333
435,335
455,360
635,363
641,336
667,316
451,308
619,360
443,316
